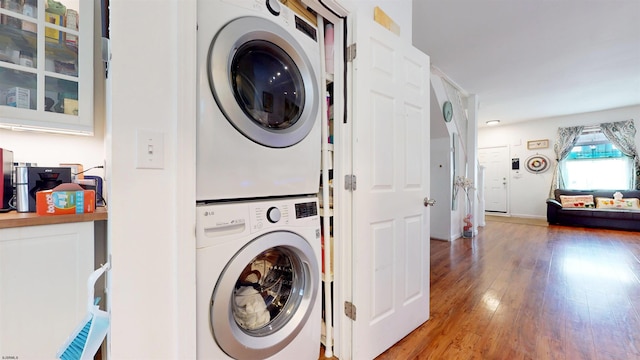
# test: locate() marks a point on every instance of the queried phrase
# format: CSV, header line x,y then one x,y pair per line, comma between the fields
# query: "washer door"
x,y
264,296
263,82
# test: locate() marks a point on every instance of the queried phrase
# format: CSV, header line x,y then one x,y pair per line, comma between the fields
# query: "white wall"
x,y
53,149
527,192
152,211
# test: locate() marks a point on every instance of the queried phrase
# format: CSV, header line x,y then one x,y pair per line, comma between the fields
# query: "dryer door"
x,y
263,81
265,295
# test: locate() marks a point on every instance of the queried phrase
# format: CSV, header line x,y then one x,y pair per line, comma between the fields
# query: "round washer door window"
x,y
263,82
265,295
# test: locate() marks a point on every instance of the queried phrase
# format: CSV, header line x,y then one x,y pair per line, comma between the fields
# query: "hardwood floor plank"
x,y
520,291
627,320
549,348
579,342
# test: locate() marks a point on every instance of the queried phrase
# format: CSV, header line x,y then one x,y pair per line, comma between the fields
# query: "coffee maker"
x,y
32,179
6,186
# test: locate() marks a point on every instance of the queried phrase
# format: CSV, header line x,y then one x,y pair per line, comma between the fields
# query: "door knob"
x,y
429,202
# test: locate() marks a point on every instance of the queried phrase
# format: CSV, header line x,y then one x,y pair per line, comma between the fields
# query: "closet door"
x,y
391,142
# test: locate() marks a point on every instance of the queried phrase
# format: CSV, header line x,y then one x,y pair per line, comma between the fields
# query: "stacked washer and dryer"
x,y
258,166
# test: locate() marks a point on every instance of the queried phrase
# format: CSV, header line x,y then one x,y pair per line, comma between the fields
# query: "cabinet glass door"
x,y
18,53
41,63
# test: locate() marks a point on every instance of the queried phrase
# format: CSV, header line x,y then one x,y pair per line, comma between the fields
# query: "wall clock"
x,y
538,144
447,111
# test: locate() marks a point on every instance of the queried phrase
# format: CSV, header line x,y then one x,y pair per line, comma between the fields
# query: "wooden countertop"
x,y
16,219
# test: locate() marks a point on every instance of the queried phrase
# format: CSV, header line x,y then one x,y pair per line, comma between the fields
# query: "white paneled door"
x,y
391,165
496,163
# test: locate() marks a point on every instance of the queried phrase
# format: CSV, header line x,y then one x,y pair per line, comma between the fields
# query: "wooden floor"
x,y
521,291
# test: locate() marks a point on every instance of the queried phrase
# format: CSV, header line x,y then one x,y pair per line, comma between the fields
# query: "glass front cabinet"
x,y
46,65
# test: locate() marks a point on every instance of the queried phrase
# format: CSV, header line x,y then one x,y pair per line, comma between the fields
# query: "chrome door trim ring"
x,y
219,58
236,342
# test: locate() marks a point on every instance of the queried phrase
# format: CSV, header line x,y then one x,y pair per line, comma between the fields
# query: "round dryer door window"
x,y
267,85
265,295
263,82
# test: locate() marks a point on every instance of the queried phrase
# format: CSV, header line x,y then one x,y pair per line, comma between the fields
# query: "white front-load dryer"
x,y
258,279
259,101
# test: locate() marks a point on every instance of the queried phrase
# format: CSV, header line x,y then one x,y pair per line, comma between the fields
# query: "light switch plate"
x,y
150,149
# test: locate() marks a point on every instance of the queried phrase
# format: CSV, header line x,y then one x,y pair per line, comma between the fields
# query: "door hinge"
x,y
351,52
350,182
350,310
105,46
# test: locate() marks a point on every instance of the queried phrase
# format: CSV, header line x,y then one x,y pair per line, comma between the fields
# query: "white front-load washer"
x,y
258,279
259,101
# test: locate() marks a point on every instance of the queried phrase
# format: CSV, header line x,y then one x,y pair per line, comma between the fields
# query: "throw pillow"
x,y
577,201
628,203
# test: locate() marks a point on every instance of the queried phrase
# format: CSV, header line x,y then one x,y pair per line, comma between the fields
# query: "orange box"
x,y
65,199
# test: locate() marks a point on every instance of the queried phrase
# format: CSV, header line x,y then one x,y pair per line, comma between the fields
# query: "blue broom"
x,y
87,337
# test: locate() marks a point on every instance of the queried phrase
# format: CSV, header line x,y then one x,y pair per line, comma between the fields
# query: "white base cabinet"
x,y
43,286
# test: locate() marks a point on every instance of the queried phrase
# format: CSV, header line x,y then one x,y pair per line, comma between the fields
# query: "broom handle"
x,y
91,282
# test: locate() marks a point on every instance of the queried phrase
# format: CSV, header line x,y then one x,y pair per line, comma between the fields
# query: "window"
x,y
595,163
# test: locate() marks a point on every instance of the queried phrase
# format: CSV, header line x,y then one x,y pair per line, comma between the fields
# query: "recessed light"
x,y
493,122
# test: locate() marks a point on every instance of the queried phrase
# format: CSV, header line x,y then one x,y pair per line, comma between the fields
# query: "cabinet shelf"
x,y
329,78
15,71
327,146
328,278
327,212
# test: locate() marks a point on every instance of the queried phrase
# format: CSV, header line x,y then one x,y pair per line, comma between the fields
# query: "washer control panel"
x,y
224,222
269,214
306,209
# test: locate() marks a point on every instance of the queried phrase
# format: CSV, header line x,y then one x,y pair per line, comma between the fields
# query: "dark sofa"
x,y
593,217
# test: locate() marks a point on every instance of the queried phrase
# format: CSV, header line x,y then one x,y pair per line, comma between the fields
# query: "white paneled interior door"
x,y
391,135
496,163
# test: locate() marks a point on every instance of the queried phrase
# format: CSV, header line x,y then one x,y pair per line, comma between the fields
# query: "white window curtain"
x,y
566,140
622,135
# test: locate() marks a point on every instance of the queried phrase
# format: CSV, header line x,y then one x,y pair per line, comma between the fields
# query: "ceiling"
x,y
532,59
